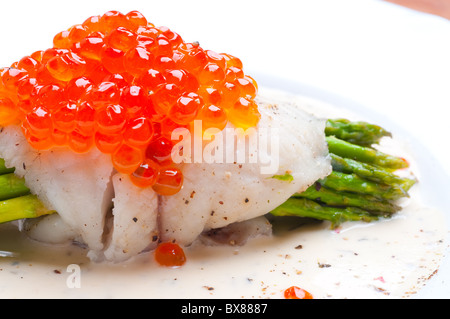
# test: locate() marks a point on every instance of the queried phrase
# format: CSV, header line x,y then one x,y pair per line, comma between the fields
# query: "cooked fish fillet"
x,y
77,186
134,222
117,220
215,195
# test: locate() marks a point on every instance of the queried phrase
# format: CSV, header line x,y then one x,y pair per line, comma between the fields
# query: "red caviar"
x,y
295,292
170,255
118,83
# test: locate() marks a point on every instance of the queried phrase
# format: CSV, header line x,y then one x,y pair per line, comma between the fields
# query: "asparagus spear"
x,y
16,202
342,199
342,182
303,207
360,133
364,154
371,172
12,186
4,169
28,206
362,185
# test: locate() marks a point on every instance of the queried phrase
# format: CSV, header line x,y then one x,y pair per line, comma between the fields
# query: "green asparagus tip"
x,y
362,185
356,132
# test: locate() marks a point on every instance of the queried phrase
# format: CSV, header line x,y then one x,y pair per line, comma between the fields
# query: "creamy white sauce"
x,y
390,258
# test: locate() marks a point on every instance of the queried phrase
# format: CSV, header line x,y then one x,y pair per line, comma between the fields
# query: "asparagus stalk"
x,y
342,182
28,206
364,154
362,185
343,199
16,202
359,133
4,169
303,207
12,186
371,172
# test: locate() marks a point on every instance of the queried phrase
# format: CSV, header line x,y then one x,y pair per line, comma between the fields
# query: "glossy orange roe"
x,y
118,83
295,292
170,255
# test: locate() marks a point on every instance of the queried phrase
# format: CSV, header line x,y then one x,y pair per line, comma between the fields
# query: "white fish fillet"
x,y
215,195
83,188
135,223
76,186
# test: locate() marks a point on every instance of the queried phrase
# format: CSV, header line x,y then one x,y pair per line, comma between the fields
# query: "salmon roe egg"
x,y
111,20
64,117
136,19
170,255
146,174
244,113
120,84
295,292
66,67
138,132
138,60
169,182
78,87
28,64
92,46
50,96
79,142
102,94
107,144
111,119
39,122
38,143
186,108
11,77
61,40
160,151
126,158
213,116
112,60
59,137
122,39
8,111
134,99
93,23
85,119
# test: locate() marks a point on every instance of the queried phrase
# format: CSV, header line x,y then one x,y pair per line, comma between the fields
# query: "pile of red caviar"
x,y
118,83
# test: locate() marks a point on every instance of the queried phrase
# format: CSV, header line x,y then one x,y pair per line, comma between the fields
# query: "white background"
x,y
392,60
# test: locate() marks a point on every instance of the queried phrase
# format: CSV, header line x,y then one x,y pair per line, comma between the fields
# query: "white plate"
x,y
394,72
434,181
359,256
